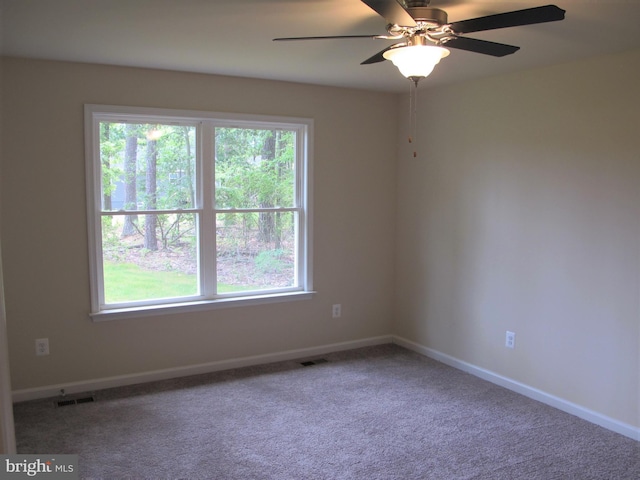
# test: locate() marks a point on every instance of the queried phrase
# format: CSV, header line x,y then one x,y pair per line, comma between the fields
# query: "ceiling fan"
x,y
424,30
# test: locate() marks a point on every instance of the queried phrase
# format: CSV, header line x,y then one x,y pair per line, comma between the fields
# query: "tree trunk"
x,y
279,173
151,203
188,171
266,220
130,189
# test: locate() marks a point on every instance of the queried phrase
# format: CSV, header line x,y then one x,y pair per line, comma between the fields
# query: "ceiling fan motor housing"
x,y
428,15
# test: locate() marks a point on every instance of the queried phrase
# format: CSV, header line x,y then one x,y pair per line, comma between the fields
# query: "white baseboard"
x,y
531,392
123,380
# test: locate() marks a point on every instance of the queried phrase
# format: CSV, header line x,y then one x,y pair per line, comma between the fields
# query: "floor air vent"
x,y
308,363
65,402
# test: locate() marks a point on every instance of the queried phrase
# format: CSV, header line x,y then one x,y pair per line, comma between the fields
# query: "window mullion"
x,y
206,203
300,203
94,190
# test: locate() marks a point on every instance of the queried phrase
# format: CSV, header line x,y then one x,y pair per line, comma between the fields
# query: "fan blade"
x,y
392,11
528,16
286,39
377,57
481,46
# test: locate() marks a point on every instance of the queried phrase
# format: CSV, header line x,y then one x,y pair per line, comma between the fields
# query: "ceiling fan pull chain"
x,y
413,110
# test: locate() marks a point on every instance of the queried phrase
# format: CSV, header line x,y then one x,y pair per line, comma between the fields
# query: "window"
x,y
193,210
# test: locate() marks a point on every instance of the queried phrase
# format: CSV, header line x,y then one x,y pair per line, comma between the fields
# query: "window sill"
x,y
199,306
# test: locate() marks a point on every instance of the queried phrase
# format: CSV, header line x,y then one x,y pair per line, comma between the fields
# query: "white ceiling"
x,y
234,37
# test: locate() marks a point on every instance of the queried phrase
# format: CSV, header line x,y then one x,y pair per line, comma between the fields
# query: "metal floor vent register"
x,y
64,401
308,363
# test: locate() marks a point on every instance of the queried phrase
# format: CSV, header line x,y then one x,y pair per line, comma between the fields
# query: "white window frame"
x,y
205,122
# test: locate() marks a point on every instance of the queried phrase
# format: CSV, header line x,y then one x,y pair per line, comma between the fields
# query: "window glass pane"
x,y
254,168
255,251
147,257
147,166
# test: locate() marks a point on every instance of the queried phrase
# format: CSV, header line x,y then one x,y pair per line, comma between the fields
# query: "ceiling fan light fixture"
x,y
416,61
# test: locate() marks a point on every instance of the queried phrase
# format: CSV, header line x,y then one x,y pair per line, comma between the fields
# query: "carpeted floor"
x,y
373,413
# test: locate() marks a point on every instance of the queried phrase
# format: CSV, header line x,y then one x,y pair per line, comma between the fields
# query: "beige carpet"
x,y
373,413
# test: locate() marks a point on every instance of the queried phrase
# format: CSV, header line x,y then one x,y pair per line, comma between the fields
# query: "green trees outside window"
x,y
254,171
196,209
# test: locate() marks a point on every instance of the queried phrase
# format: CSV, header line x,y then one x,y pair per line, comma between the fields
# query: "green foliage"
x,y
254,168
270,261
111,141
111,244
147,167
175,163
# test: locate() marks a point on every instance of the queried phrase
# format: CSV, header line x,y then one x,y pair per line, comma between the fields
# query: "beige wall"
x,y
45,238
522,213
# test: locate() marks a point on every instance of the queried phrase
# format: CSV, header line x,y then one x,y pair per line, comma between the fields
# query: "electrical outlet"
x,y
510,340
336,310
42,346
